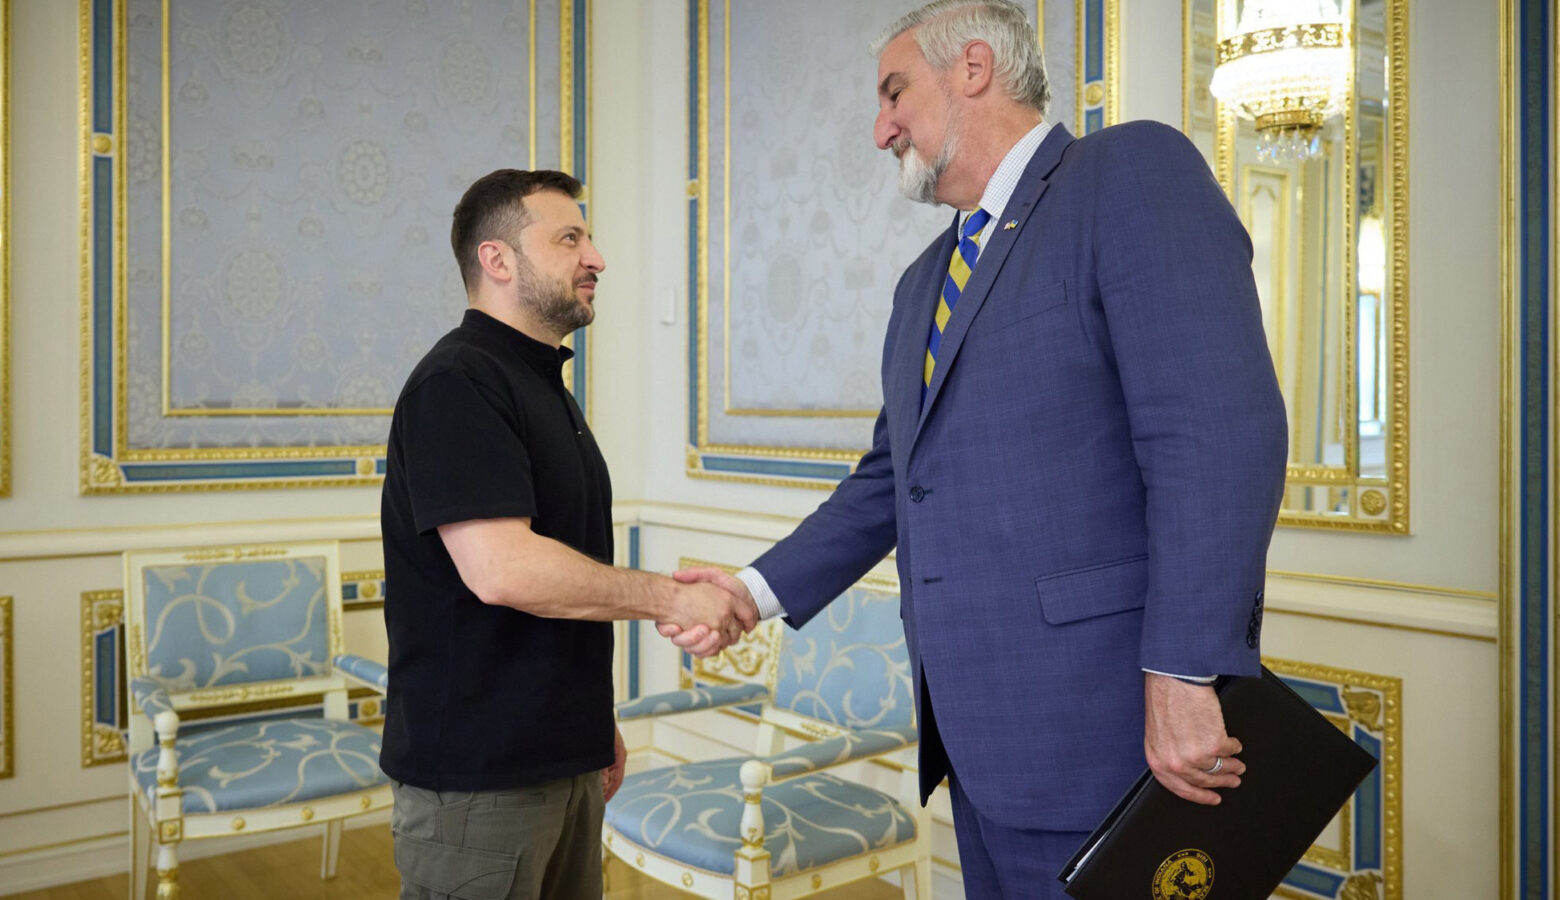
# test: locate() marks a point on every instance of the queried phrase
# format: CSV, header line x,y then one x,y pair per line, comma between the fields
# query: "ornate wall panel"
x,y
796,243
1360,853
266,191
103,696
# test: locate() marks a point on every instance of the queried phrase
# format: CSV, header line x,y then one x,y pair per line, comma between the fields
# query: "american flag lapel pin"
x,y
1010,224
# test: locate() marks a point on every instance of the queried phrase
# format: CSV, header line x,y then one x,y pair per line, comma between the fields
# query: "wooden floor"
x,y
366,869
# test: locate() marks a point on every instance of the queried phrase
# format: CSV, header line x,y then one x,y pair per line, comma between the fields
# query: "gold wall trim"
x,y
1391,626
1407,587
1507,642
7,691
100,610
5,251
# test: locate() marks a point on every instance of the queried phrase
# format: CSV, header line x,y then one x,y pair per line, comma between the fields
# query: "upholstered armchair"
x,y
235,662
782,823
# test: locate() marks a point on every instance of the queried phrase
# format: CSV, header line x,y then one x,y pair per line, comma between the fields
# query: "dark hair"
x,y
492,208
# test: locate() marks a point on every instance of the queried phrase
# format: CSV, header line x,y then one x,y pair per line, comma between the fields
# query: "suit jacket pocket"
x,y
1097,590
1009,306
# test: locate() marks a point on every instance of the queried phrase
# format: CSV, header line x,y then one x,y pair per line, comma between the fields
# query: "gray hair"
x,y
947,26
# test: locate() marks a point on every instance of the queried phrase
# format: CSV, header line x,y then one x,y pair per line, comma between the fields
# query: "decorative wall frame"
x,y
362,590
1341,349
1360,854
157,414
103,696
1099,54
770,419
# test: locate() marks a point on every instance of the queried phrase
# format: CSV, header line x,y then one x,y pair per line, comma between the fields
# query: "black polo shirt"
x,y
488,697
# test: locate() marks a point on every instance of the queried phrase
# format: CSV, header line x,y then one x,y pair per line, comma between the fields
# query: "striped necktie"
x,y
959,267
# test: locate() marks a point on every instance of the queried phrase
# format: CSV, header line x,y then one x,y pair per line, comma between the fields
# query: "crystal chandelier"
x,y
1286,68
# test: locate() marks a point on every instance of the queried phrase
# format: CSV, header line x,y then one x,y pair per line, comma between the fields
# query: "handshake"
x,y
710,610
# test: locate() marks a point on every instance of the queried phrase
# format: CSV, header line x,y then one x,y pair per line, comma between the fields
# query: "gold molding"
x,y
1106,92
5,264
99,610
7,691
1507,642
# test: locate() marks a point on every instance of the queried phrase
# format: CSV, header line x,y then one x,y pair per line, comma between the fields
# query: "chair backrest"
x,y
848,666
218,625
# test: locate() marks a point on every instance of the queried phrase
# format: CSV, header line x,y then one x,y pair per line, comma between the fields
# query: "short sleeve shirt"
x,y
486,697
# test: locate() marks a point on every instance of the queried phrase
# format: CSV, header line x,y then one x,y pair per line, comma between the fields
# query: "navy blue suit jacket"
x,y
1090,485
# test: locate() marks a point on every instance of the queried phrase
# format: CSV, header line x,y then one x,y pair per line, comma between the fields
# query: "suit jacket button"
x,y
917,494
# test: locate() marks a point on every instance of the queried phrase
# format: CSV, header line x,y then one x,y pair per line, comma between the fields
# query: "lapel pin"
x,y
1010,224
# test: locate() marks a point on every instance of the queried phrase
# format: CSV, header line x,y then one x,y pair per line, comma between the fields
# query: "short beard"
x,y
554,301
918,179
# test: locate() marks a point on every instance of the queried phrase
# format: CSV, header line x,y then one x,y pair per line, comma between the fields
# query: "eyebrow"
x,y
889,82
575,229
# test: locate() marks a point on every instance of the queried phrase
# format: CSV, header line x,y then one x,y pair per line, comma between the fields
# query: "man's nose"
x,y
592,260
884,131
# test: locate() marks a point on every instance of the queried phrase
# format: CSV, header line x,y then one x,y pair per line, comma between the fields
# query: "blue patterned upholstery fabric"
x,y
150,697
268,763
236,622
365,670
704,697
692,813
849,664
849,746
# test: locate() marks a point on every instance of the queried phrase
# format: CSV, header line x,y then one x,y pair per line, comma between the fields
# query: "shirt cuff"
x,y
1189,679
768,604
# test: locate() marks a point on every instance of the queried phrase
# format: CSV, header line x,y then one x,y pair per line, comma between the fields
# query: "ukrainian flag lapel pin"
x,y
1010,224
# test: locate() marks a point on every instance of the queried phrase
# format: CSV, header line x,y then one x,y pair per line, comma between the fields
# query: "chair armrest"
x,y
153,699
848,747
706,697
363,671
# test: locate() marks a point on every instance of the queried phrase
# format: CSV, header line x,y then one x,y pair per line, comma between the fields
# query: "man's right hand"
x,y
709,615
706,638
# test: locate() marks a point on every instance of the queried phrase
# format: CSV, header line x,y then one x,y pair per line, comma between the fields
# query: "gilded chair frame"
x,y
161,823
758,654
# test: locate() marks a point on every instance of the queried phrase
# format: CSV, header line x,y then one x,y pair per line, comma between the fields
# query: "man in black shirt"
x,y
496,517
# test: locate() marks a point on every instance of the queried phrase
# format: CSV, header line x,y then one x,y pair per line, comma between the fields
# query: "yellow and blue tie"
x,y
964,256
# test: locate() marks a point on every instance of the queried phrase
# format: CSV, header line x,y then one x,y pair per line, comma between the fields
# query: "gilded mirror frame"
x,y
1370,503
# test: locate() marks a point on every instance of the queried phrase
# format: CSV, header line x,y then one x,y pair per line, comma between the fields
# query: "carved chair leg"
x,y
167,872
332,850
923,878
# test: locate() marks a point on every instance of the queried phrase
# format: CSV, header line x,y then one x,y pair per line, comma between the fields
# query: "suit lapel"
x,y
1030,187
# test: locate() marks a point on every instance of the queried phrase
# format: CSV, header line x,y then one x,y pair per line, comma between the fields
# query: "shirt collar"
x,y
1005,180
542,357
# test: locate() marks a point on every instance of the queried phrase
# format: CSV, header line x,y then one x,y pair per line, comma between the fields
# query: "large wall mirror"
x,y
1300,107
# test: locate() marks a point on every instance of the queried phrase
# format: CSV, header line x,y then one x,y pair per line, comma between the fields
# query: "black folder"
x,y
1300,771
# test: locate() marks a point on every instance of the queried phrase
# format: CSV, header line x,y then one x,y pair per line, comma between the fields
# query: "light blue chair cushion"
x,y
237,622
365,670
269,763
692,813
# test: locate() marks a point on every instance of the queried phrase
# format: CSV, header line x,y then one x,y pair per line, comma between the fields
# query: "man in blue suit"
x,y
1079,459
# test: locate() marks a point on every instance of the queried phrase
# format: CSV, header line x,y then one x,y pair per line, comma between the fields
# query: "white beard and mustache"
x,y
918,179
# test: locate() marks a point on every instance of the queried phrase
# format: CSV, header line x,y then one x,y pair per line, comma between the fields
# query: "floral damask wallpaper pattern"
x,y
315,155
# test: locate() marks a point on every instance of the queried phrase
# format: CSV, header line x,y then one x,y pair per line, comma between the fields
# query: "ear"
x,y
974,69
495,260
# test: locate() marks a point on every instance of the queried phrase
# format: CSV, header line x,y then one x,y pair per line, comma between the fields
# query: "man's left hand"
x,y
1183,738
612,776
